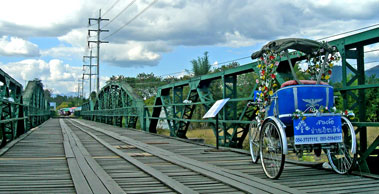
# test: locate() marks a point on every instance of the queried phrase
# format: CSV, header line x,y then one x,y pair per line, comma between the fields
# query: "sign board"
x,y
315,130
217,106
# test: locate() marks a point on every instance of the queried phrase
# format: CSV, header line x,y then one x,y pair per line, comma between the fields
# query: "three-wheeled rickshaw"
x,y
298,115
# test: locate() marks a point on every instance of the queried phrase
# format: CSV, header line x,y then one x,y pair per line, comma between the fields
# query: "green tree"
x,y
201,66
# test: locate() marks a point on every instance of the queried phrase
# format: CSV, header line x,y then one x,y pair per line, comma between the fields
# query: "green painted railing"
x,y
20,111
118,105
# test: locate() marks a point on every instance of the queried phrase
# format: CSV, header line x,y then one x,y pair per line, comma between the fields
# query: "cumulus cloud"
x,y
54,73
133,53
232,23
14,46
45,18
76,37
171,23
67,52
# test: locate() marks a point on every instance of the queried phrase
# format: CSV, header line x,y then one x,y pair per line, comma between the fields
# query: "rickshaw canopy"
x,y
304,45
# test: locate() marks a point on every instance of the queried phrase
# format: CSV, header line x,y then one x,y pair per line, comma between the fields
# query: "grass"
x,y
372,134
206,134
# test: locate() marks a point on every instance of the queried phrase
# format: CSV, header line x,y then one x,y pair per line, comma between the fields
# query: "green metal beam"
x,y
115,104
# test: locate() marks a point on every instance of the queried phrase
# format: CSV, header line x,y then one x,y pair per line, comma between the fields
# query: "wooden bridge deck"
x,y
79,156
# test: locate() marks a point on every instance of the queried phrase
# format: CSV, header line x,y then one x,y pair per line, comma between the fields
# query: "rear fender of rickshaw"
x,y
282,130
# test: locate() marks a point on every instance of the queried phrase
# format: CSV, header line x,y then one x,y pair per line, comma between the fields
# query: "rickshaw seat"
x,y
291,98
305,82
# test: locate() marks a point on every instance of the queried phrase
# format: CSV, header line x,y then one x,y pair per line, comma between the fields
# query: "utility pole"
x,y
82,86
78,89
90,69
98,42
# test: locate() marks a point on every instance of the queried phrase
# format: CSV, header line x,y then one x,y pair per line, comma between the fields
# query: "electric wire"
x,y
374,50
241,57
111,7
122,11
230,61
131,20
349,31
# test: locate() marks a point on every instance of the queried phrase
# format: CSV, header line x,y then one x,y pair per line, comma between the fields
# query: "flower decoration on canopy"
x,y
266,81
316,61
322,109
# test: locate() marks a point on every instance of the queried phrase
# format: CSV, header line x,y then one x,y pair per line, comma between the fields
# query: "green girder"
x,y
116,104
352,48
20,111
38,109
179,100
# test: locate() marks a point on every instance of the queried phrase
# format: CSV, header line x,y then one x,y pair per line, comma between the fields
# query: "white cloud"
x,y
171,23
39,13
54,74
131,53
235,39
14,46
76,37
65,52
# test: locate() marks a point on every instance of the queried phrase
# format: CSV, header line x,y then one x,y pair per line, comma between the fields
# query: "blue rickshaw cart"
x,y
300,115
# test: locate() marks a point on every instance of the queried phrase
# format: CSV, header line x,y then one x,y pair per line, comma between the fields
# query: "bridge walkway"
x,y
79,156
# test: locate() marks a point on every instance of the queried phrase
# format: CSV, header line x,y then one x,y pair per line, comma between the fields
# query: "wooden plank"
x,y
34,165
235,179
293,176
98,179
177,186
15,141
109,183
80,182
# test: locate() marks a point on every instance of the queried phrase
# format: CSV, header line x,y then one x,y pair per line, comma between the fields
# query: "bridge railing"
x,y
176,103
352,49
18,112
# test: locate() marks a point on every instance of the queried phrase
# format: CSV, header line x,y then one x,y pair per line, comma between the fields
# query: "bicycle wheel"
x,y
341,158
271,150
254,141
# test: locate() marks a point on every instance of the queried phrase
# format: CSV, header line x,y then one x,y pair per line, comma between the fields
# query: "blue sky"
x,y
47,39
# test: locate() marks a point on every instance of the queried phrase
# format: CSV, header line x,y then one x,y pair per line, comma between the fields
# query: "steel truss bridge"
x,y
20,110
106,154
117,101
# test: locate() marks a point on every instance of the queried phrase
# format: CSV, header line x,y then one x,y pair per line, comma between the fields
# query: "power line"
x,y
174,73
122,11
130,21
371,50
111,7
349,31
232,60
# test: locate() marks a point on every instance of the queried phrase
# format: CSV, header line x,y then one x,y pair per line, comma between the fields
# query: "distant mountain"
x,y
373,71
70,94
337,73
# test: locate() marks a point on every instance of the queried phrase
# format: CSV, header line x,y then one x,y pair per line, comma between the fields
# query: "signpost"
x,y
213,112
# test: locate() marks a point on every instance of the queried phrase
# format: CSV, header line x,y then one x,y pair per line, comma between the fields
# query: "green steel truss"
x,y
177,102
116,104
12,109
351,48
38,109
20,111
200,92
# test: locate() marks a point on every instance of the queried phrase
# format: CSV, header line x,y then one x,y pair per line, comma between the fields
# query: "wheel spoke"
x,y
271,151
341,159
